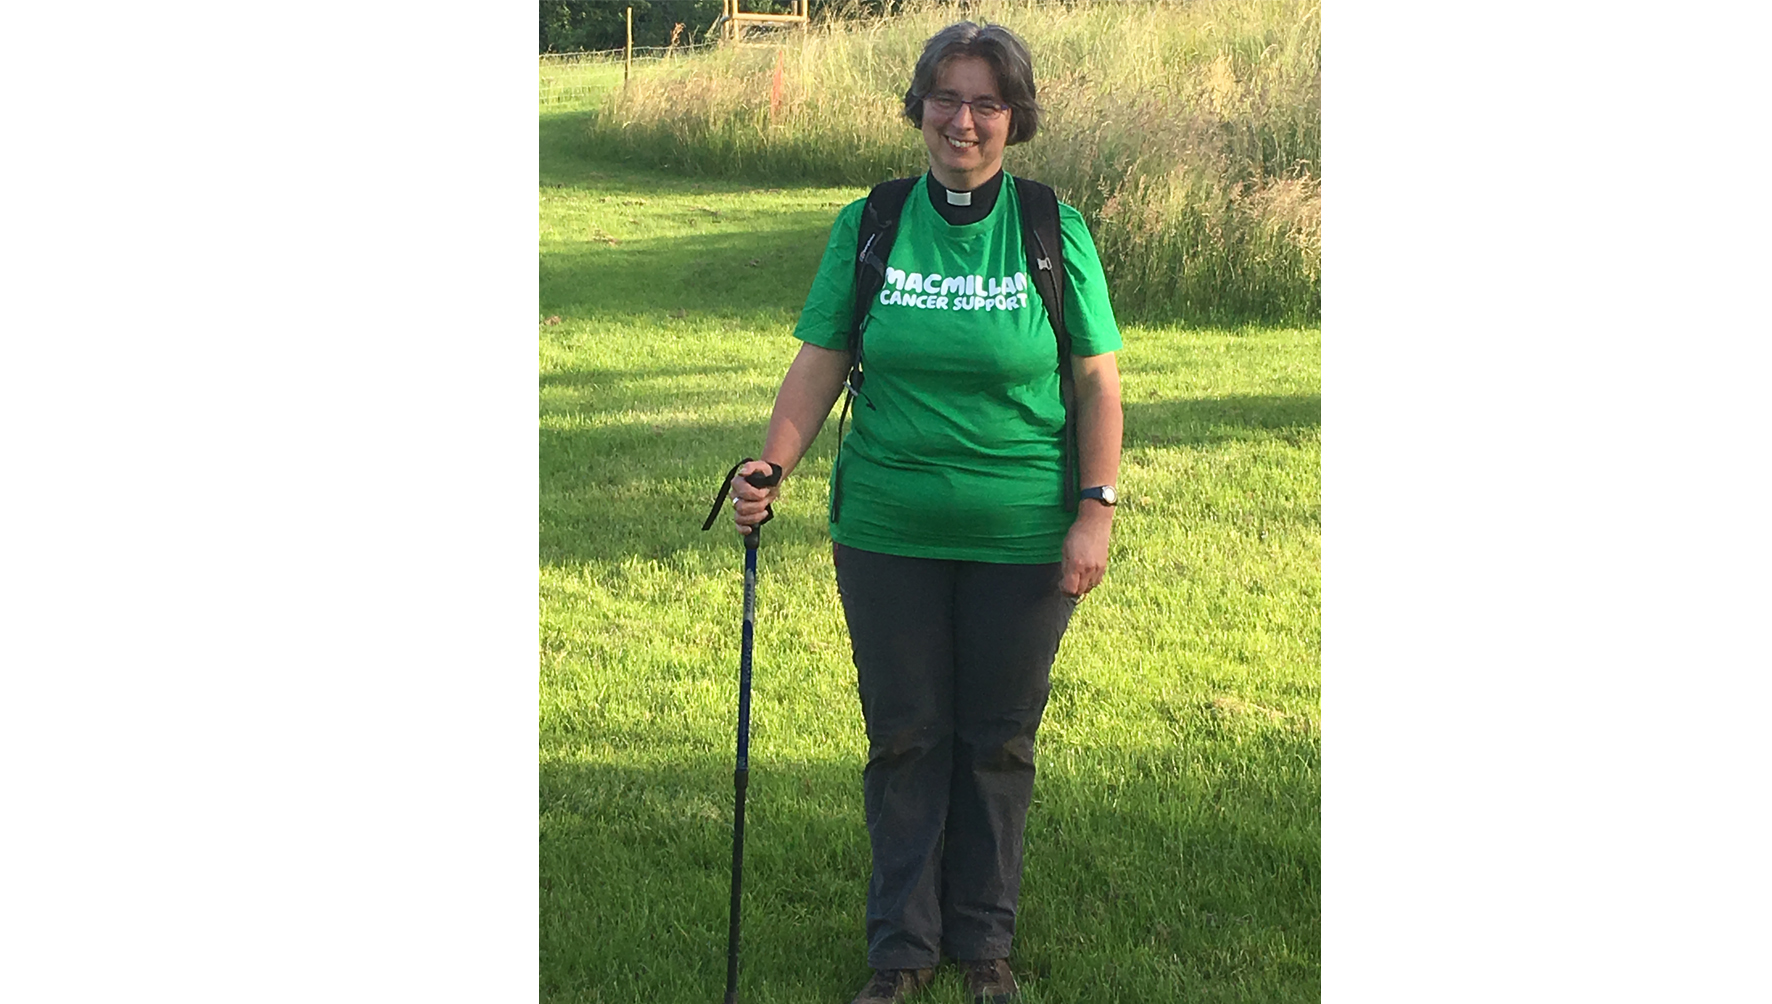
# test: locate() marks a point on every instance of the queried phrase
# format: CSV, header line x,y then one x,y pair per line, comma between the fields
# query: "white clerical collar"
x,y
958,198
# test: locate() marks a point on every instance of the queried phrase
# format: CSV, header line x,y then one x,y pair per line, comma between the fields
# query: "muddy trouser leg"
x,y
910,621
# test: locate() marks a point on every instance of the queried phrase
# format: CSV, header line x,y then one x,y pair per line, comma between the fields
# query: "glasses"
x,y
948,104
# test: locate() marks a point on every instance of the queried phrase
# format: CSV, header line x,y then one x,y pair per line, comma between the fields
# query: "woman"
x,y
956,557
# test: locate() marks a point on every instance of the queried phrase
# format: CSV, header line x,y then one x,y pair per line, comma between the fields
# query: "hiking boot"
x,y
889,986
990,981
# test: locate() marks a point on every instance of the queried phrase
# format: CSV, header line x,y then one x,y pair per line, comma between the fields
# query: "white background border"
x,y
267,385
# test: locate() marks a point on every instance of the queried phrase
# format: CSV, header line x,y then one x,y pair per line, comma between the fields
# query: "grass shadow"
x,y
720,274
603,490
604,483
1174,878
1208,420
567,155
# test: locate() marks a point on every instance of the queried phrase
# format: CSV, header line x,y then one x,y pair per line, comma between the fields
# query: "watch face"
x,y
1109,496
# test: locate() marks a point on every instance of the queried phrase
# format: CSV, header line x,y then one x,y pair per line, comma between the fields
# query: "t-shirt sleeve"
x,y
830,303
1087,311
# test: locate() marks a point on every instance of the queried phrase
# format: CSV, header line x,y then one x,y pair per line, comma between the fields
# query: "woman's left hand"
x,y
1086,549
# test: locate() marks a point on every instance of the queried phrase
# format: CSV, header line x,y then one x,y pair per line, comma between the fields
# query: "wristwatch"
x,y
1104,494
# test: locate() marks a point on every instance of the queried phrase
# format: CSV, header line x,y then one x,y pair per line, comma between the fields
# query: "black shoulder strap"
x,y
873,245
1045,252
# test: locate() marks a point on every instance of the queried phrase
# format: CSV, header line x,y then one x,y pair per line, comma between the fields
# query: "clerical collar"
x,y
960,208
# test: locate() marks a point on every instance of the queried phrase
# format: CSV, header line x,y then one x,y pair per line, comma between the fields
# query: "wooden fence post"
x,y
627,65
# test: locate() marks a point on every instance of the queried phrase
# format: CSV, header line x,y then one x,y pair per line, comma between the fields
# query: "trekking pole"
x,y
741,775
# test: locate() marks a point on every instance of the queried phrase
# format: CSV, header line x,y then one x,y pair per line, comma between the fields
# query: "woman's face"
x,y
965,149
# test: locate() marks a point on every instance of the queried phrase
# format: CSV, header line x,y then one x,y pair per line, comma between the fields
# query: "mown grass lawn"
x,y
1172,853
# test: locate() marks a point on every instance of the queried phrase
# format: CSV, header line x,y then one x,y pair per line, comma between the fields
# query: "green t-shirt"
x,y
954,446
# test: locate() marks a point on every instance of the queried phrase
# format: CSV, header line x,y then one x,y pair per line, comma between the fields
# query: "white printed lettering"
x,y
914,283
895,276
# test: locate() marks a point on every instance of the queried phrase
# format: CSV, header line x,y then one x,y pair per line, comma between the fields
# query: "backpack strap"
x,y
1045,252
873,245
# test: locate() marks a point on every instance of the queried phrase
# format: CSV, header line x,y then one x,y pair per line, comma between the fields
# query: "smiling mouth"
x,y
960,144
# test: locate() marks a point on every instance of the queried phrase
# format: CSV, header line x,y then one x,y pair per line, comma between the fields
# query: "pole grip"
x,y
761,479
757,479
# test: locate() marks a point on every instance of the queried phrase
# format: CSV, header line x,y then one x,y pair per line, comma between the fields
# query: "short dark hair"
x,y
1009,60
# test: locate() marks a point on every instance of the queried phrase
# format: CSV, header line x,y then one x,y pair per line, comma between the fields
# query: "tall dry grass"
x,y
1186,132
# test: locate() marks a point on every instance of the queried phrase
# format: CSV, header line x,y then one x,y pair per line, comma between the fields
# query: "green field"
x,y
1172,853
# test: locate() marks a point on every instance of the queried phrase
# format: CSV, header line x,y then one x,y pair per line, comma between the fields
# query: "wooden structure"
x,y
732,20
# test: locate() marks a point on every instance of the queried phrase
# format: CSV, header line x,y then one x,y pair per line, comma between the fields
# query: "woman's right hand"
x,y
748,501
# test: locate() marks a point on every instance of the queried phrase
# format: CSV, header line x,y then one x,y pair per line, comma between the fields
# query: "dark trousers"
x,y
953,660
